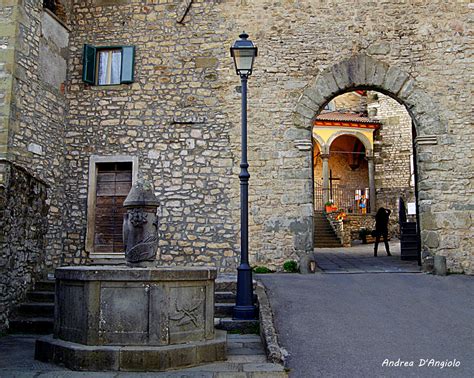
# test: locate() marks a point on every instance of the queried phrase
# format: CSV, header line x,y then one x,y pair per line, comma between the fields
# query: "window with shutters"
x,y
110,181
114,181
108,65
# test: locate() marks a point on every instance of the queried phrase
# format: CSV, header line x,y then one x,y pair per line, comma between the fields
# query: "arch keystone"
x,y
357,70
375,72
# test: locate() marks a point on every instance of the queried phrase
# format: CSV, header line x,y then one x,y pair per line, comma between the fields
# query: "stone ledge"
x,y
123,273
130,358
275,353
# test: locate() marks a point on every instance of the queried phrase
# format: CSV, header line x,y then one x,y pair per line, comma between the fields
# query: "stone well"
x,y
133,319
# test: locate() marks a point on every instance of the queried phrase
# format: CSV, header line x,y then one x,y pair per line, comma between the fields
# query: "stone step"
x,y
223,310
36,309
227,285
326,237
324,231
107,261
32,325
45,285
327,245
40,296
237,326
224,297
228,297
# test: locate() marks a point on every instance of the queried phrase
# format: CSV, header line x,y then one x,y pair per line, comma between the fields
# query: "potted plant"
x,y
329,206
341,216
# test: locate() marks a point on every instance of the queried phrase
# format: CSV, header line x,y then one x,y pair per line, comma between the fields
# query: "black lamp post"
x,y
244,52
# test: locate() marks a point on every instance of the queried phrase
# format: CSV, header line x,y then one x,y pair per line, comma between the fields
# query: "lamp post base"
x,y
244,308
244,312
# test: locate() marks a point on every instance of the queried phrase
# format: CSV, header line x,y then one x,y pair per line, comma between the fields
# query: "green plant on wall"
x,y
262,270
290,266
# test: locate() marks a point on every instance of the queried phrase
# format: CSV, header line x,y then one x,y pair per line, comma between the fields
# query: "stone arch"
x,y
364,72
361,137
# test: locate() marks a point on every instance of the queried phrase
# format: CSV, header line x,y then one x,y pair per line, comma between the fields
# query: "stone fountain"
x,y
138,317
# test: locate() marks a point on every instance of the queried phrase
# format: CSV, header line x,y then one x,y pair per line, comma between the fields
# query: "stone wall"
x,y
181,116
35,121
170,118
338,163
393,142
23,226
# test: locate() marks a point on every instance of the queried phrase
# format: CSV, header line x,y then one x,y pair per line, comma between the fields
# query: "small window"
x,y
108,65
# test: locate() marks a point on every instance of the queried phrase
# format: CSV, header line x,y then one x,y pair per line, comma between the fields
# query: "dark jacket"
x,y
381,220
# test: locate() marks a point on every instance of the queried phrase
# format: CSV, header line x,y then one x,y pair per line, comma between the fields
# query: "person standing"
x,y
381,229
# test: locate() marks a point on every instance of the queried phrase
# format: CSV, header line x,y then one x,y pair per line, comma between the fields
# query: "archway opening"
x,y
363,161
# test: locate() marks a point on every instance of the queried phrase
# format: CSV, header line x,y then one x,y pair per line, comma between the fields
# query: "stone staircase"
x,y
36,314
224,301
324,235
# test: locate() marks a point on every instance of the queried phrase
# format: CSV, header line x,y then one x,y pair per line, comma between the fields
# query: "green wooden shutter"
x,y
88,64
128,61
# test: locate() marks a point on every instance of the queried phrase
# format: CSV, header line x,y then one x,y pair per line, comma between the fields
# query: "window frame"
x,y
90,64
91,198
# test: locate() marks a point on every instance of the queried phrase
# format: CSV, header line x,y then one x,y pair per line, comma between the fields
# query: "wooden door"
x,y
114,181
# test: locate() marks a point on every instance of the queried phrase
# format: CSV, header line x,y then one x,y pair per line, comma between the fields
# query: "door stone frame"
x,y
364,72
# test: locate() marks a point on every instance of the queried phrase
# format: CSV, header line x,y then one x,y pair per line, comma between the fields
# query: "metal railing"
x,y
351,200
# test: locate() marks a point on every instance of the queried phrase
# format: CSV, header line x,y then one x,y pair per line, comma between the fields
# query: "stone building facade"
x,y
179,118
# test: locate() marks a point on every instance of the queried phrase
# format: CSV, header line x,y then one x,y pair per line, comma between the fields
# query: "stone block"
x,y
305,112
309,103
130,358
406,91
440,265
205,62
340,72
327,85
315,94
356,69
375,72
431,239
134,306
394,80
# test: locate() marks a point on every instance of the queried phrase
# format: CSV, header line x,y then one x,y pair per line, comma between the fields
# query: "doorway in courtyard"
x,y
363,160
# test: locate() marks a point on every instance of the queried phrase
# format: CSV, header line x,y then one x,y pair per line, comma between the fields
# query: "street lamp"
x,y
243,51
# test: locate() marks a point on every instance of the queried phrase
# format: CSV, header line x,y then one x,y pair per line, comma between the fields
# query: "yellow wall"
x,y
325,132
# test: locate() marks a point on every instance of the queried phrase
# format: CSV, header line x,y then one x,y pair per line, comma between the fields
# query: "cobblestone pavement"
x,y
360,259
246,358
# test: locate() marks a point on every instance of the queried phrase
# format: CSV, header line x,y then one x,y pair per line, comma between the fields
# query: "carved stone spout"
x,y
140,224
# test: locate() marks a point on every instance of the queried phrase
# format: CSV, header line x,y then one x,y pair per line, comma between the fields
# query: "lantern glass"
x,y
243,59
244,52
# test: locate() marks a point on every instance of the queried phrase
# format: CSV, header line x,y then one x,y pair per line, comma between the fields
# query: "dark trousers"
x,y
383,233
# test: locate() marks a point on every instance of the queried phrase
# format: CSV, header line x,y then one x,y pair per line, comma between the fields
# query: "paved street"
x,y
360,259
346,325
